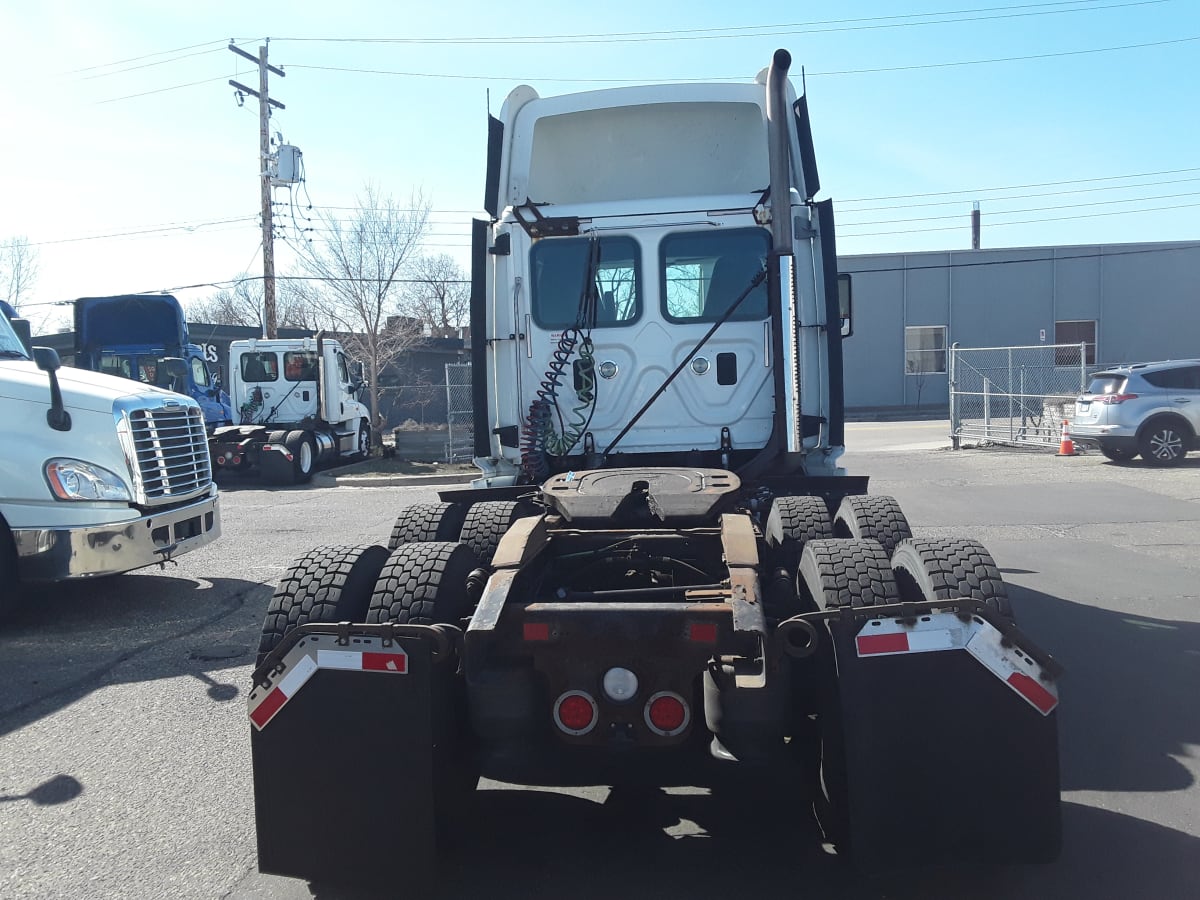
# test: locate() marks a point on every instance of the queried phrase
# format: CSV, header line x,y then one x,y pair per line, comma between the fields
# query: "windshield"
x,y
10,345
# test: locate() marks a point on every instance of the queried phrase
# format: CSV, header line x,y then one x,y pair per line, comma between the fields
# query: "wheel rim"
x,y
1166,444
364,441
306,457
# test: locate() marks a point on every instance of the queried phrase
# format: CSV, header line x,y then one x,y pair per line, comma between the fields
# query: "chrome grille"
x,y
170,451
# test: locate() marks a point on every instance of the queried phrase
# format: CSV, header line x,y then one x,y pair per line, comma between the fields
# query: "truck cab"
x,y
643,310
98,475
144,337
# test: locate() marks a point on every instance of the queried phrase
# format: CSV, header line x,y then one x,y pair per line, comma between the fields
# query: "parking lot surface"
x,y
125,743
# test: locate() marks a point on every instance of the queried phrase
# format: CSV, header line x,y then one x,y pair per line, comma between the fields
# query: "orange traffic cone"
x,y
1066,446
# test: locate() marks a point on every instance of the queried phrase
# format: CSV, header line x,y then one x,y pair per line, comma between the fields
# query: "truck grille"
x,y
170,449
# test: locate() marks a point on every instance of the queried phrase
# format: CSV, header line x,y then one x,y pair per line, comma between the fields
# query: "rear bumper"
x,y
1106,435
60,554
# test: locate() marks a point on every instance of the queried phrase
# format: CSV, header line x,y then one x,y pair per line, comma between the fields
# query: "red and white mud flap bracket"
x,y
936,755
947,631
343,753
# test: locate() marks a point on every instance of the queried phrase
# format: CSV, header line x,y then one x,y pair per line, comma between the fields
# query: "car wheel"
x,y
1163,443
1119,454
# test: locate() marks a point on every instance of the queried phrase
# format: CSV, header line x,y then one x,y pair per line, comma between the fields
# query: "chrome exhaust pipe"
x,y
778,153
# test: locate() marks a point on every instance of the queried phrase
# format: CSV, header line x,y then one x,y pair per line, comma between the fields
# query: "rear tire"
x,y
9,589
836,574
363,441
949,568
427,522
424,584
1164,441
1119,454
330,584
304,455
792,523
486,523
872,518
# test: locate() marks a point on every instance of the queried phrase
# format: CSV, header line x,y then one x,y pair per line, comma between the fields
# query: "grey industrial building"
x,y
1127,302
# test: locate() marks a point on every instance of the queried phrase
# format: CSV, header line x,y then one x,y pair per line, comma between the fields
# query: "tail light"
x,y
667,714
1114,399
575,713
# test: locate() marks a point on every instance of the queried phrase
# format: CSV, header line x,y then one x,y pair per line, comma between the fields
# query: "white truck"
x,y
663,574
98,475
297,402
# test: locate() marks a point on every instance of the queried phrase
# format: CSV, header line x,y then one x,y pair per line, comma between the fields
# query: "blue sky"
x,y
127,163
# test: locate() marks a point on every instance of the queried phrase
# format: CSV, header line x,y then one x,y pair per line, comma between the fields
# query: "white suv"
x,y
1148,408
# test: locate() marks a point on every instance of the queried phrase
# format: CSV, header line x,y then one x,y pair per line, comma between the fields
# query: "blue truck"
x,y
144,337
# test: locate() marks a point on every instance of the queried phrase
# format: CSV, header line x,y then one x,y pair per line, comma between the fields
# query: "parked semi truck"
x,y
663,572
97,475
145,337
299,408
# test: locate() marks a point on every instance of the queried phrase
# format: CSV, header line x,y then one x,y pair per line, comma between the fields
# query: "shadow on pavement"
x,y
64,641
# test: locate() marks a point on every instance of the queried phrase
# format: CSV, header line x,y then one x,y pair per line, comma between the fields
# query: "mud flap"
x,y
342,749
944,759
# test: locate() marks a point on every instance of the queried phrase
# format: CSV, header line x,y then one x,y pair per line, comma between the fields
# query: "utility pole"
x,y
264,150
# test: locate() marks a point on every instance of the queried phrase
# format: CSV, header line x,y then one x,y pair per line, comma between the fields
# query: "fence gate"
x,y
460,444
1015,395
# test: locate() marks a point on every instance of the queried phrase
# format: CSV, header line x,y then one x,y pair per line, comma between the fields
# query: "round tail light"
x,y
667,714
575,713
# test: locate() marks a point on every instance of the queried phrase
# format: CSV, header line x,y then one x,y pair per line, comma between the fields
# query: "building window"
x,y
1075,332
924,349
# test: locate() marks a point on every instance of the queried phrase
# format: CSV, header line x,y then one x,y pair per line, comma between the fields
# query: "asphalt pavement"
x,y
125,746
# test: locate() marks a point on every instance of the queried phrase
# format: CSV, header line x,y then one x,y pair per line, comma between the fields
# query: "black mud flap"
x,y
342,748
945,758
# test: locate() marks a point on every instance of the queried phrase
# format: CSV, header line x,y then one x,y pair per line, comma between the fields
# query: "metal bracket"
x,y
538,225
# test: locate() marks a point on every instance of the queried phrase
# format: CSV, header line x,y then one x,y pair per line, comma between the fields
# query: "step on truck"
x,y
98,475
299,408
662,572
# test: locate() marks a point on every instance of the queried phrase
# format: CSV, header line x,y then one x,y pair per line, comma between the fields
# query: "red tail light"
x,y
667,714
575,713
1114,399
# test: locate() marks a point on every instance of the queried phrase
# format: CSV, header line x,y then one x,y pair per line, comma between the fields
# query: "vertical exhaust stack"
x,y
322,376
779,161
778,150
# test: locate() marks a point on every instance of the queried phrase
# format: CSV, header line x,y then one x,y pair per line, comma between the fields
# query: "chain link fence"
x,y
431,419
1015,395
460,416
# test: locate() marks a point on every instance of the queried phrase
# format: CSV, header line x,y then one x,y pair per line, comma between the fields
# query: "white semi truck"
x,y
663,570
298,406
98,475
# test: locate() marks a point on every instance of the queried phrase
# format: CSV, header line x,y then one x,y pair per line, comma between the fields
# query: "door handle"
x,y
1183,400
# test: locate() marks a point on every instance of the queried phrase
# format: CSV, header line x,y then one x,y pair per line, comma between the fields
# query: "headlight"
x,y
71,479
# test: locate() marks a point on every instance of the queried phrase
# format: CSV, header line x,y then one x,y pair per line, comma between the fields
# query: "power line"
x,y
553,79
1111,187
1007,262
158,229
1014,212
752,31
1017,187
174,87
133,59
1122,212
160,62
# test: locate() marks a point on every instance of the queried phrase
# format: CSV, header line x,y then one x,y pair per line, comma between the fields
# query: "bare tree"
x,y
243,305
438,295
357,273
18,269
